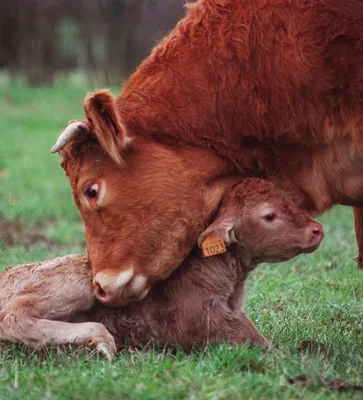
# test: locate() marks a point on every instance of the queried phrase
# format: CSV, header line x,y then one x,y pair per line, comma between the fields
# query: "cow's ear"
x,y
223,228
101,112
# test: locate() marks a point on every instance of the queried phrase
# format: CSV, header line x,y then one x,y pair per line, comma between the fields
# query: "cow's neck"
x,y
318,179
148,113
151,117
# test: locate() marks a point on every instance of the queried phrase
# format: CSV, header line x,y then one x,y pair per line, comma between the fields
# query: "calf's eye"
x,y
92,191
270,217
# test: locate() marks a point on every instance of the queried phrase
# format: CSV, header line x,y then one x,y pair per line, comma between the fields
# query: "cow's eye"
x,y
270,217
92,191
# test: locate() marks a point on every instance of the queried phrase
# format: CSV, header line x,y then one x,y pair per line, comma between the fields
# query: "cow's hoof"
x,y
359,261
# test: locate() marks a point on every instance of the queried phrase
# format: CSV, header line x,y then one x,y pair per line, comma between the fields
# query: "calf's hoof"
x,y
106,349
104,342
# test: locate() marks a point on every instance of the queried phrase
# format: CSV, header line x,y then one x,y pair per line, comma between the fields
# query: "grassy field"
x,y
317,298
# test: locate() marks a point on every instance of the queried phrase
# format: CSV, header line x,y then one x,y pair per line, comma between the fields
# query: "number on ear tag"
x,y
213,245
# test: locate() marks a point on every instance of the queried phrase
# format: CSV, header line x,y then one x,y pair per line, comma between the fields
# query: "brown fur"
x,y
200,303
274,87
236,73
255,70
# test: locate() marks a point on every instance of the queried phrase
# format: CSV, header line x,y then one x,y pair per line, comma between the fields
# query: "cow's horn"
x,y
72,131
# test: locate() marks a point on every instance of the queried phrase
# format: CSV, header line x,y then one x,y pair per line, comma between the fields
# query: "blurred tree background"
x,y
106,39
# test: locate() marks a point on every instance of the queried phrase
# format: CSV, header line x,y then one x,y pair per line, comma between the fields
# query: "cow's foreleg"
x,y
358,223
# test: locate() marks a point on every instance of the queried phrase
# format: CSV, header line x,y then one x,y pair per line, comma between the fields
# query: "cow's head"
x,y
143,204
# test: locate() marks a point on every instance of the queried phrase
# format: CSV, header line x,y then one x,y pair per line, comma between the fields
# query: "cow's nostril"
x,y
100,293
316,231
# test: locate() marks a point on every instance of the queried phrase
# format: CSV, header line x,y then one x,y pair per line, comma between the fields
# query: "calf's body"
x,y
200,303
195,306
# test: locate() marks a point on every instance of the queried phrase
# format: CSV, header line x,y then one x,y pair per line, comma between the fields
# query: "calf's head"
x,y
263,223
143,204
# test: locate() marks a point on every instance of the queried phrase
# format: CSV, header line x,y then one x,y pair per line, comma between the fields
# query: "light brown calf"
x,y
199,303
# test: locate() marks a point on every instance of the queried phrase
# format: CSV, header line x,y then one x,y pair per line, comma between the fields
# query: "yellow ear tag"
x,y
213,245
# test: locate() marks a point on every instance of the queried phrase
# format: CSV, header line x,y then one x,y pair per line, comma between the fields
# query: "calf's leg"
x,y
237,329
22,321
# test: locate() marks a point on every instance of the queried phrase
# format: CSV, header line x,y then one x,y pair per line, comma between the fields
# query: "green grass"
x,y
317,297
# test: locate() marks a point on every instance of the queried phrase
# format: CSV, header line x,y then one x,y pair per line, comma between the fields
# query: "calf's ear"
x,y
101,112
223,228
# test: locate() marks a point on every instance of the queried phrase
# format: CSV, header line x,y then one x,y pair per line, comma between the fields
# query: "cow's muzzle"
x,y
119,289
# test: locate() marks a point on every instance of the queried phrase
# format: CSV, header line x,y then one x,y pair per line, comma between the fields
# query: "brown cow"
x,y
200,303
231,77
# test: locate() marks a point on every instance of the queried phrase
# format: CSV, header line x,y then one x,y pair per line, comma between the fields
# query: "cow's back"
x,y
232,74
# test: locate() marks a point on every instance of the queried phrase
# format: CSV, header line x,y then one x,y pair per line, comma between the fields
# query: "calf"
x,y
199,303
